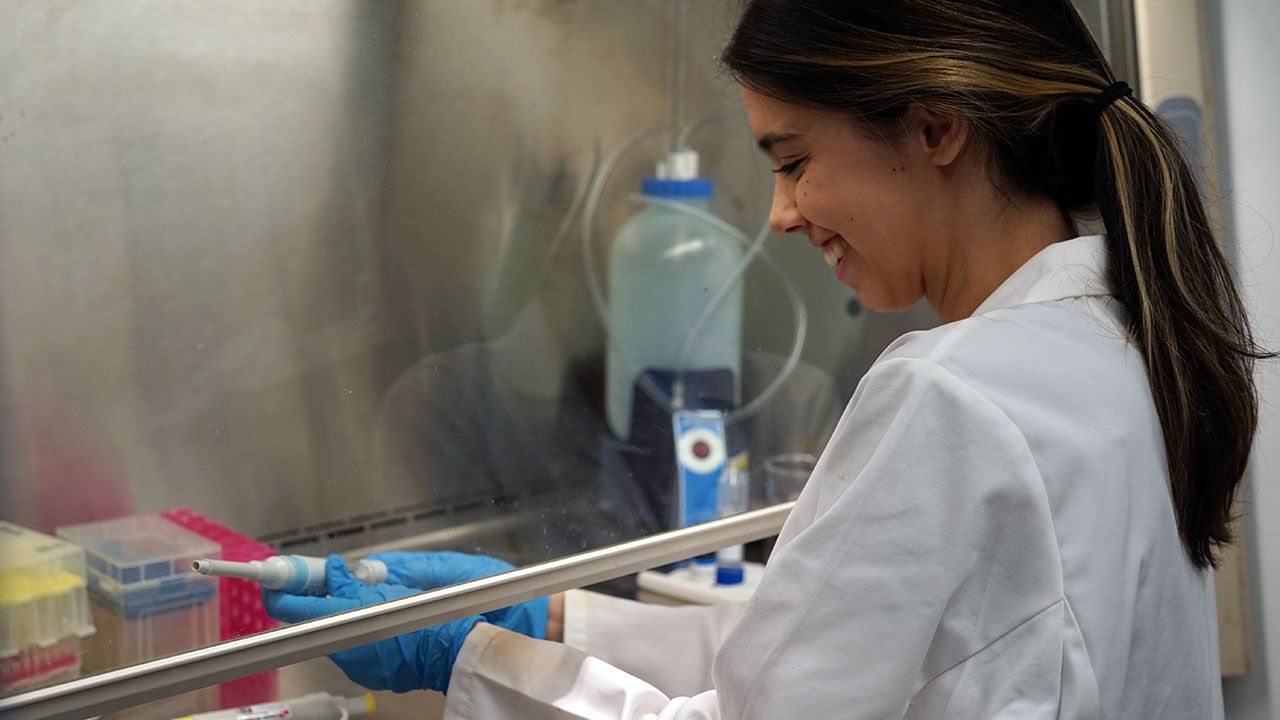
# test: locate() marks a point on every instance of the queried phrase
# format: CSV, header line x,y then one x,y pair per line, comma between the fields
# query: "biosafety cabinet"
x,y
318,276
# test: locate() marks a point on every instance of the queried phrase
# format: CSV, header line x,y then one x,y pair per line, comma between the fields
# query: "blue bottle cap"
x,y
695,189
729,576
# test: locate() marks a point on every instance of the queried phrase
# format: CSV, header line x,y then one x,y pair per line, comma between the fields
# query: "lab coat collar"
x,y
1067,269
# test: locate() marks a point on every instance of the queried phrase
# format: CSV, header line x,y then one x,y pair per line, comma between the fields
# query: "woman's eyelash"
x,y
790,167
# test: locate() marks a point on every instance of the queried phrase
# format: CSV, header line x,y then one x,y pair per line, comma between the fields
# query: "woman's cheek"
x,y
809,199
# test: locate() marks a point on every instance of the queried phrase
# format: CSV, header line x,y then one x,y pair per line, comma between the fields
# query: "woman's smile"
x,y
835,251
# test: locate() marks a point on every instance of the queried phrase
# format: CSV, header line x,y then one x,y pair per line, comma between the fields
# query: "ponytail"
x,y
1185,314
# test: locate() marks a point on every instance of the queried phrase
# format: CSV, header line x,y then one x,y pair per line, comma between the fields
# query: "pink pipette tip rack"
x,y
241,602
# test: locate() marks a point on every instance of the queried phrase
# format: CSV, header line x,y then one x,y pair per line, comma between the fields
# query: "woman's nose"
x,y
784,216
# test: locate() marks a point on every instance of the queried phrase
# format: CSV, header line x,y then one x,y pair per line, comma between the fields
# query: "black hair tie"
x,y
1114,92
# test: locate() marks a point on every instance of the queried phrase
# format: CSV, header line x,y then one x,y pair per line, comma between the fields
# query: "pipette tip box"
x,y
44,608
140,579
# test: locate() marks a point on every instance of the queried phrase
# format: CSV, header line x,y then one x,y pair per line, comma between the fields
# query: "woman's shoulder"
x,y
1044,367
1069,342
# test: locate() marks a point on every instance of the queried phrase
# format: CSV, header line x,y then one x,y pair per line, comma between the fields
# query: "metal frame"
x,y
160,678
1124,41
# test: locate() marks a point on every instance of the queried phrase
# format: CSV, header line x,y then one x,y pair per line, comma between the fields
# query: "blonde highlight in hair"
x,y
1026,74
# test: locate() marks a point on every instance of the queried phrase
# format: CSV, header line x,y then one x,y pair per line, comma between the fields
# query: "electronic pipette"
x,y
297,574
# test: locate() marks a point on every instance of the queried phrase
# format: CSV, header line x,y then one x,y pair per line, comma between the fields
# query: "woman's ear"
x,y
939,138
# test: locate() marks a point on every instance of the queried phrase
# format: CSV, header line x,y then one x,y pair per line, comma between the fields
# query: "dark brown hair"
x,y
1026,75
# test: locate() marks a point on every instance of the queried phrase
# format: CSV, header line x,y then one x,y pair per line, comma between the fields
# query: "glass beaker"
x,y
785,476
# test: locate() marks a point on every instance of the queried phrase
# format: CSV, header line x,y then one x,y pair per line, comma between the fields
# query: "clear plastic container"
x,y
148,603
44,609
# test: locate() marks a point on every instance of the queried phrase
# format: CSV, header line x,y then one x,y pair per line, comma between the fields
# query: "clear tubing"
x,y
693,128
756,248
677,68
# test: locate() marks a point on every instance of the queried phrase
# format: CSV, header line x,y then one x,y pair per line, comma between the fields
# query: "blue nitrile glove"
x,y
416,660
430,570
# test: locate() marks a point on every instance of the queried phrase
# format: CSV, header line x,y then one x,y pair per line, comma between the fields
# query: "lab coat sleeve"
x,y
501,675
679,643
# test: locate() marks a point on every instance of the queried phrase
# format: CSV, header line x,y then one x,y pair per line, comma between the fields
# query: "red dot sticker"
x,y
701,449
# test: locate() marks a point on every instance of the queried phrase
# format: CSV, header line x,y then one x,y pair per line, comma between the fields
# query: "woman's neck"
x,y
988,243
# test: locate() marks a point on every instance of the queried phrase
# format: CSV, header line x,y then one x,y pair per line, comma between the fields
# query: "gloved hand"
x,y
427,570
430,570
416,660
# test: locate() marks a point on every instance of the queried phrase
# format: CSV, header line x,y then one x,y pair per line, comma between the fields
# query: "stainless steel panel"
x,y
235,238
190,225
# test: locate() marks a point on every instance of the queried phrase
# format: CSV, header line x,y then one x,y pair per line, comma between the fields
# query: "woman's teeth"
x,y
832,252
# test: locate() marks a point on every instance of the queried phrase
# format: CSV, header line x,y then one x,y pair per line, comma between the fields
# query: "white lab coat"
x,y
988,534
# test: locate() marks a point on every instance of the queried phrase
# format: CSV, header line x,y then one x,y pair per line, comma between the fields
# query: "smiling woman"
x,y
941,171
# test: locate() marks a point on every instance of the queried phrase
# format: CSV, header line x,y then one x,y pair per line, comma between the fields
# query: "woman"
x,y
1018,512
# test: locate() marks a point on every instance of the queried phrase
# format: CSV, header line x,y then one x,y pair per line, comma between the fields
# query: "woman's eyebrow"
x,y
767,142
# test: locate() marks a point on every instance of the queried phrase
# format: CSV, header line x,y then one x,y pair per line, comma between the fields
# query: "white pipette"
x,y
297,574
